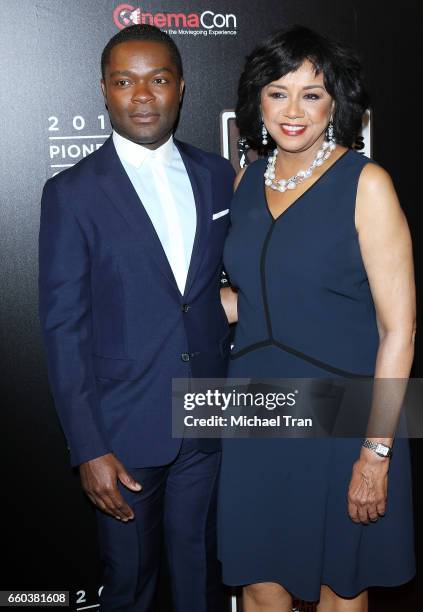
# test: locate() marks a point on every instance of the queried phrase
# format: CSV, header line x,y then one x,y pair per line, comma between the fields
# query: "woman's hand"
x,y
229,299
368,487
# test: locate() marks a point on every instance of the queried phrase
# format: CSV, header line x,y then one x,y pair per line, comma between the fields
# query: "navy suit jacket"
x,y
115,326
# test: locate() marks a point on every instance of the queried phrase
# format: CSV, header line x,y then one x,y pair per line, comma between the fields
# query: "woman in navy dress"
x,y
319,258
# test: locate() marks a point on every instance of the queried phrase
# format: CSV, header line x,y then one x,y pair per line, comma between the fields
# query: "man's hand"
x,y
99,480
368,487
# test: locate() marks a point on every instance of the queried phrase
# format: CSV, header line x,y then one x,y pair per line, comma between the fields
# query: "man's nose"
x,y
142,93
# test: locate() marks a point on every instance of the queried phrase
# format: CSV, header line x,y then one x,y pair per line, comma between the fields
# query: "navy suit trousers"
x,y
174,512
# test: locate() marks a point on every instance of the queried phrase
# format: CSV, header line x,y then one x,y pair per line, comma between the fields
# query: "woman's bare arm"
x,y
386,250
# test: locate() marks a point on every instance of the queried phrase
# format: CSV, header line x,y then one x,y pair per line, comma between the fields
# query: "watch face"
x,y
381,449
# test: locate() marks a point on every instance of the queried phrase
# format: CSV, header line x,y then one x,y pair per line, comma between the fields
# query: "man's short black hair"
x,y
284,52
143,32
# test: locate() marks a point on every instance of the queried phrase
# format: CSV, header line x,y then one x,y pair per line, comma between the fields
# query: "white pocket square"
x,y
219,214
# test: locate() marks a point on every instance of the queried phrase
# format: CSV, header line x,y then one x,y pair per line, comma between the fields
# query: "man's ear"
x,y
181,89
103,89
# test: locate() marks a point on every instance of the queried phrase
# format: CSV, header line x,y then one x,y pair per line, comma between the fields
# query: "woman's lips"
x,y
293,130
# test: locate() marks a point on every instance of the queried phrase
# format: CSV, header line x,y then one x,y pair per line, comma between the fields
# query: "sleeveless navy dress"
x,y
305,310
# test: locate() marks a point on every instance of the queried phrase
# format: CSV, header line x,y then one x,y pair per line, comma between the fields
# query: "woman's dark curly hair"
x,y
284,52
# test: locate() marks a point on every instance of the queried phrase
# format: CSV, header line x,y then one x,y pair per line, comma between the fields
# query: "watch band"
x,y
380,449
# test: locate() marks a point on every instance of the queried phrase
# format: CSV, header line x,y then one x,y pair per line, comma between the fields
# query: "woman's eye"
x,y
277,94
312,96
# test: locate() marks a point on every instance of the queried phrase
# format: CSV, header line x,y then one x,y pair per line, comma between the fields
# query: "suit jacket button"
x,y
185,307
185,356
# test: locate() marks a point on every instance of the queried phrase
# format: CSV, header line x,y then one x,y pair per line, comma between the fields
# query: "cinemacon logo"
x,y
126,14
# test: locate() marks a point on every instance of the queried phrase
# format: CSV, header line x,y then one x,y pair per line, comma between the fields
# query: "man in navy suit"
x,y
130,258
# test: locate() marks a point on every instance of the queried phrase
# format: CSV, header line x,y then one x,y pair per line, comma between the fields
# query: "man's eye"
x,y
122,82
160,80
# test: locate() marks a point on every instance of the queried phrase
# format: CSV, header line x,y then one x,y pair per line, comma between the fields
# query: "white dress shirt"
x,y
161,181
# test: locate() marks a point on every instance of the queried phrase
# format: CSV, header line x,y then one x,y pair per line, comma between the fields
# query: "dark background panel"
x,y
50,51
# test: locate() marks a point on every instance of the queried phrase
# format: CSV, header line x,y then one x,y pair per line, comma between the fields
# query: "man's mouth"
x,y
146,117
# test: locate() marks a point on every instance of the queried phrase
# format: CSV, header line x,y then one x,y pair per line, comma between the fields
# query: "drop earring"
x,y
264,140
329,132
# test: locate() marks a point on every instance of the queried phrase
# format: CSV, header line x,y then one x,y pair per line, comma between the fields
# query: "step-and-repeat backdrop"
x,y
52,115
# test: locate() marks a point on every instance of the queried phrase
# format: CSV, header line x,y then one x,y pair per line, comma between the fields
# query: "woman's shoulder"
x,y
373,176
376,190
362,161
376,196
252,170
368,172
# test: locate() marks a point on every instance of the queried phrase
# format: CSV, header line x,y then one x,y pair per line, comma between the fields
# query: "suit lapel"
x,y
200,179
117,186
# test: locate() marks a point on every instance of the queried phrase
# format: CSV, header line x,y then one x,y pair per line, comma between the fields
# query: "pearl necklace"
x,y
283,184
